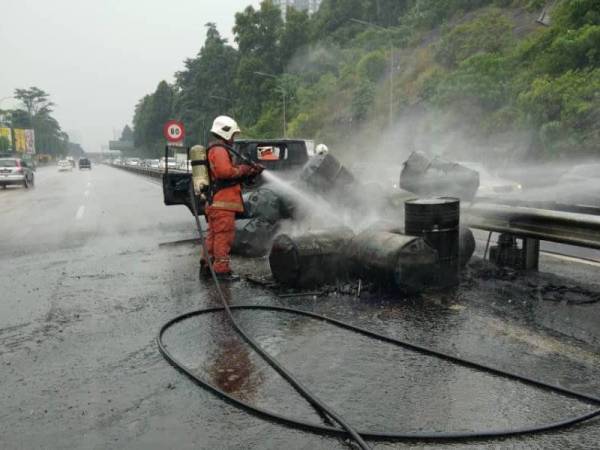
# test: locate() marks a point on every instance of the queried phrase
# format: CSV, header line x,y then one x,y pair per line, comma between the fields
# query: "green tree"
x,y
481,66
35,100
295,34
37,114
127,134
206,87
257,33
490,33
151,113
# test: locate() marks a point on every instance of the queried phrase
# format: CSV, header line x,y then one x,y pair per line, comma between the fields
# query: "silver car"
x,y
15,171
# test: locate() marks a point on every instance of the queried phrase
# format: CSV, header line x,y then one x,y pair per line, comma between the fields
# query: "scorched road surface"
x,y
85,287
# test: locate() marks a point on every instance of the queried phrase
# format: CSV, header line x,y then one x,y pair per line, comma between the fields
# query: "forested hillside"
x,y
482,77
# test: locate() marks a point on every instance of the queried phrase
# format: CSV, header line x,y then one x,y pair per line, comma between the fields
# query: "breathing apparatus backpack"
x,y
204,186
200,172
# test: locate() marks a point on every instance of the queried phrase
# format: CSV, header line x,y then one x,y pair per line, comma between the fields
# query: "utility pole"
x,y
283,92
391,81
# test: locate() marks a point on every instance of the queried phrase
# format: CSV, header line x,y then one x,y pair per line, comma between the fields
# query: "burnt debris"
x,y
434,176
414,245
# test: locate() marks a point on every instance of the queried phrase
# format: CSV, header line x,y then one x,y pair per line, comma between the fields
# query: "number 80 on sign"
x,y
174,131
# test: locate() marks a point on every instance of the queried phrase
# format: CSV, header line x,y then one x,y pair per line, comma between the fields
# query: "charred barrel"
x,y
466,238
433,176
266,204
437,221
253,237
312,259
392,259
324,173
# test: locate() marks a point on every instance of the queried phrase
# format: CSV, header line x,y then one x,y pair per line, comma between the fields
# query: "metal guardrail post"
x,y
546,225
531,249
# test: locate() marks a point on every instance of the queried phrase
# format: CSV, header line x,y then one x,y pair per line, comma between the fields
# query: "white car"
x,y
172,163
64,166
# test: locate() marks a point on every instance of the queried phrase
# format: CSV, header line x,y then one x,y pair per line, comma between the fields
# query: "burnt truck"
x,y
287,156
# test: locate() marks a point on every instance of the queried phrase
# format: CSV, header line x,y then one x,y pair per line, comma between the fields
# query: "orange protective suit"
x,y
220,214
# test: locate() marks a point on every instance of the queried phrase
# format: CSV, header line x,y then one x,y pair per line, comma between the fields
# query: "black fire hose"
x,y
327,412
347,431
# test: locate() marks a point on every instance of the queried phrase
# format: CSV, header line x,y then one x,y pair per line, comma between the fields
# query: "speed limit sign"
x,y
174,131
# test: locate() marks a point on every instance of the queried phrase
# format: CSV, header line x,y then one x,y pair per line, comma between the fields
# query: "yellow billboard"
x,y
24,141
6,133
20,140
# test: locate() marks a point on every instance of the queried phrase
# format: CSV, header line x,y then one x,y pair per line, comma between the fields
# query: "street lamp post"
x,y
281,89
391,83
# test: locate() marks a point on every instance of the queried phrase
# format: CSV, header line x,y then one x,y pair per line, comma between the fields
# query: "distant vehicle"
x,y
580,184
172,163
117,161
185,165
15,171
85,163
491,185
153,163
132,162
71,160
64,166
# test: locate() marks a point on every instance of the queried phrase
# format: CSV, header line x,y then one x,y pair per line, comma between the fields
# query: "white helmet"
x,y
322,149
225,127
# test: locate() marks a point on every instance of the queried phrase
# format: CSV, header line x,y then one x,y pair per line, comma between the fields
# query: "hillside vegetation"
x,y
475,76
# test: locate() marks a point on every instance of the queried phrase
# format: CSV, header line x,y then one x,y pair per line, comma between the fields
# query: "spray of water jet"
x,y
310,203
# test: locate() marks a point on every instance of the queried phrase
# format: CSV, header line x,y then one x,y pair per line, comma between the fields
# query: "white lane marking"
x,y
80,212
86,193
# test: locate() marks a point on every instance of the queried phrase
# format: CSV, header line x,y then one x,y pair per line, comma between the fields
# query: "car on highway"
x,y
85,163
153,164
15,171
132,162
64,165
172,163
491,185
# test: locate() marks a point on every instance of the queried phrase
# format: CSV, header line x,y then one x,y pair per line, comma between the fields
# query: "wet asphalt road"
x,y
85,286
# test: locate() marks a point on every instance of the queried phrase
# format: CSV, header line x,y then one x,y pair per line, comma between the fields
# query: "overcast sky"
x,y
98,57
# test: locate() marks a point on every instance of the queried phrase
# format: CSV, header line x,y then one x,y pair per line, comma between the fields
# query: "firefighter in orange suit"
x,y
226,197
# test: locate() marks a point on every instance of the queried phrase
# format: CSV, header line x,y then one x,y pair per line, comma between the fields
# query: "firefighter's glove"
x,y
245,171
257,169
